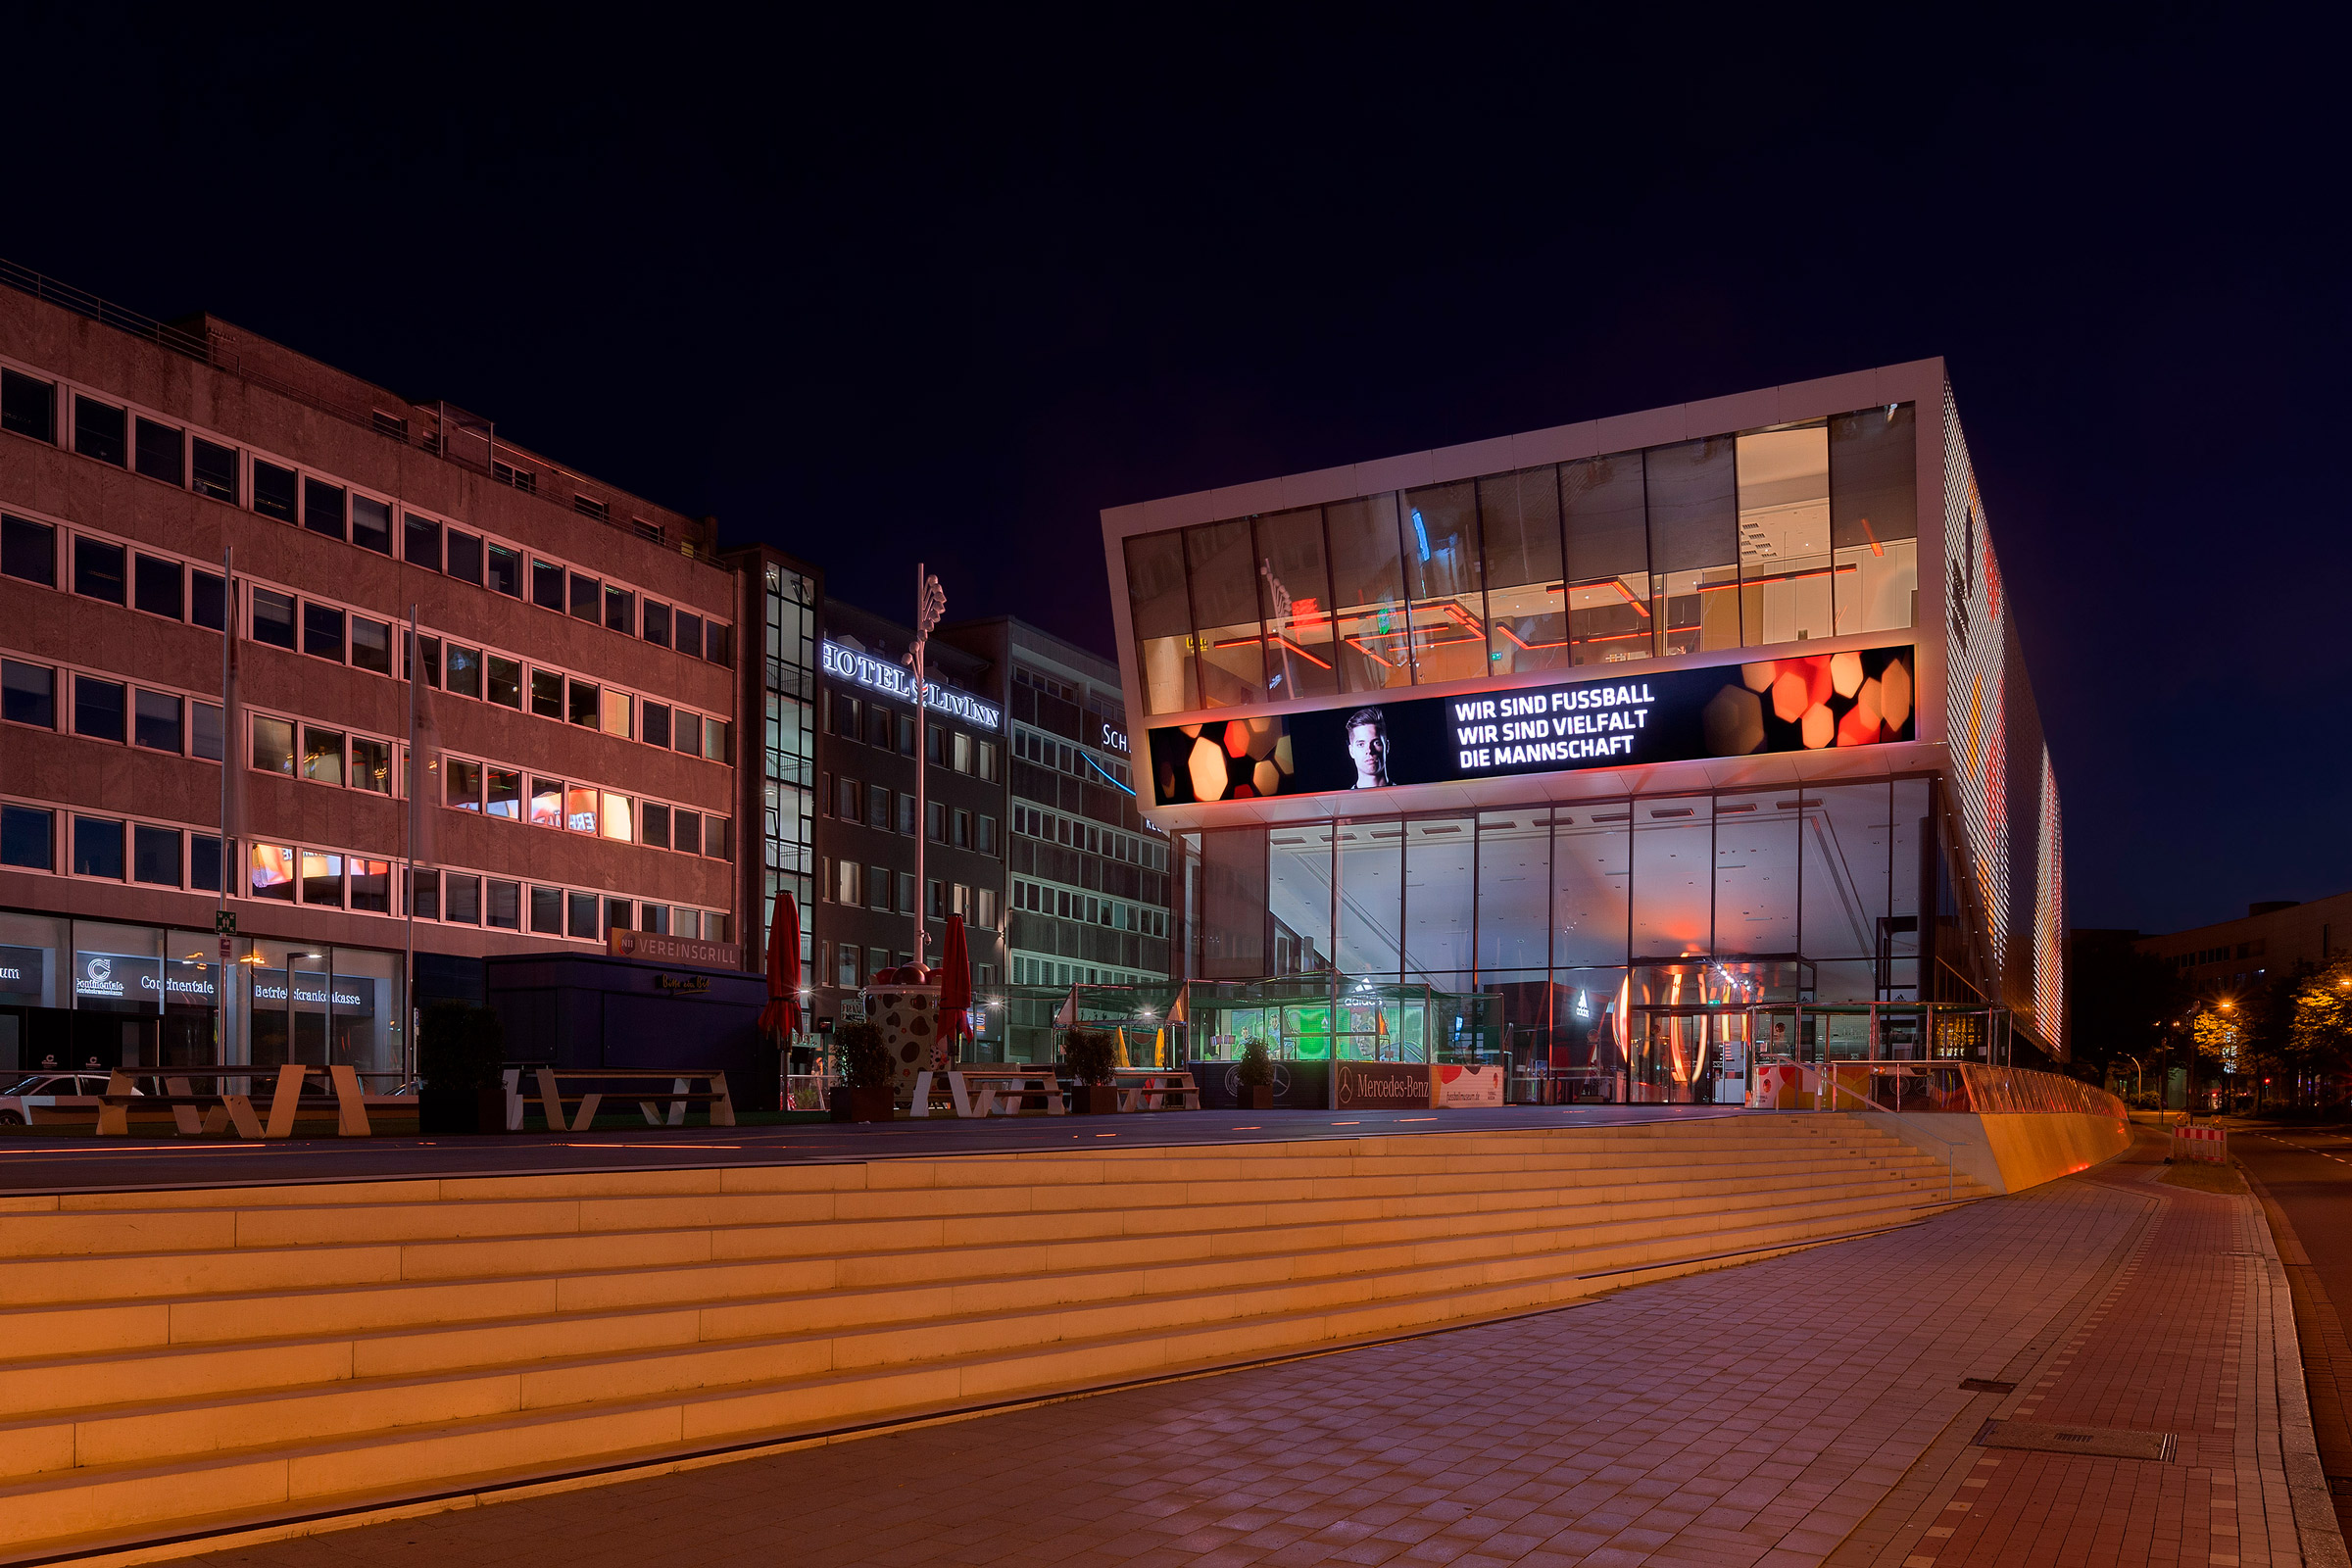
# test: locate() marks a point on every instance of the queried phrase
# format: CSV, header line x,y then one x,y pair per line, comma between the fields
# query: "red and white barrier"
x,y
2207,1144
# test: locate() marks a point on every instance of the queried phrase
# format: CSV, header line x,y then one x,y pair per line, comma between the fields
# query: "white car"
x,y
52,1097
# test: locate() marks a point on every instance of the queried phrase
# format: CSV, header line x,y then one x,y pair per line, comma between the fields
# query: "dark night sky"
x,y
942,292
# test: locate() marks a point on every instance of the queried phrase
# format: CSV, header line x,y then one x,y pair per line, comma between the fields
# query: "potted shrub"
x,y
863,1093
1090,1057
1255,1075
460,1053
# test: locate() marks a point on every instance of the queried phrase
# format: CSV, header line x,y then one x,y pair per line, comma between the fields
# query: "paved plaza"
x,y
1801,1410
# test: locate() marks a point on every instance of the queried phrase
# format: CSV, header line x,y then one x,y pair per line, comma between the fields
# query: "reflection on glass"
x,y
1224,583
1295,599
1694,528
1591,873
371,886
1371,893
1514,888
579,809
321,878
1673,875
1874,519
1848,841
322,754
1449,620
1785,536
1233,879
273,872
1755,874
1367,585
1440,898
462,784
1162,622
618,818
1527,628
506,793
1298,893
547,802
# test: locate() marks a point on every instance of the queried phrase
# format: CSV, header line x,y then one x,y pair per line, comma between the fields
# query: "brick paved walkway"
x,y
1773,1414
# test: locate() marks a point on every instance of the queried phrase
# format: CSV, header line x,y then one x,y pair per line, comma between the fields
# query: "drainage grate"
x,y
2106,1443
1987,1385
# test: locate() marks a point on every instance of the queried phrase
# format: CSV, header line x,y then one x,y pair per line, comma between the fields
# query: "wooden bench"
x,y
207,1114
552,1096
1149,1089
1000,1091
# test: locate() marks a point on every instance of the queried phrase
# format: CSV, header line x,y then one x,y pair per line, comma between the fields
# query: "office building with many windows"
x,y
574,674
1638,749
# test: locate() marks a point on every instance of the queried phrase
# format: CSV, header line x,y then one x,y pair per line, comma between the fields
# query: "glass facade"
x,y
788,778
1624,943
1733,541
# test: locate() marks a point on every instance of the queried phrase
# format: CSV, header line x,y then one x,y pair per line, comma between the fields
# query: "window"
x,y
938,823
988,761
461,784
618,820
159,454
657,918
585,592
323,631
504,909
204,731
155,720
98,432
686,832
585,709
28,694
323,507
546,585
717,739
425,893
939,900
502,681
907,814
878,887
546,911
372,765
274,491
846,974
963,829
506,571
906,735
579,809
506,793
718,644
877,807
878,726
1694,544
29,549
581,912
372,524
431,648
850,803
463,673
656,624
204,862
906,892
462,899
98,848
652,825
547,694
271,873
214,469
272,617
421,542
845,883
273,744
371,644
370,885
1874,519
465,556
28,408
988,835
98,707
547,802
984,908
963,753
616,714
686,734
844,710
156,586
621,609
207,602
655,718
321,878
620,915
323,755
97,570
690,633
26,838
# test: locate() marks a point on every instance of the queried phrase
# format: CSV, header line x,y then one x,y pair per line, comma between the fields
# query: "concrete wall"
x,y
2009,1151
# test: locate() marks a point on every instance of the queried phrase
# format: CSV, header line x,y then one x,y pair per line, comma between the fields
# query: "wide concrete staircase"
x,y
207,1360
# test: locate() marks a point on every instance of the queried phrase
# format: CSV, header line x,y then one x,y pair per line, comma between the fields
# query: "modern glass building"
x,y
1668,741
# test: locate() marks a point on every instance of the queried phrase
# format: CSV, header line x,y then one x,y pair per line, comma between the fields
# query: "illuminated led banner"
x,y
1670,715
893,679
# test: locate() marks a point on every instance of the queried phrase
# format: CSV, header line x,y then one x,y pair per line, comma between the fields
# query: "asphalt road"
x,y
60,1165
2307,1172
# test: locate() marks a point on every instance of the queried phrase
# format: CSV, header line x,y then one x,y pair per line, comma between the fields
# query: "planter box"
x,y
864,1104
1258,1098
461,1114
1094,1099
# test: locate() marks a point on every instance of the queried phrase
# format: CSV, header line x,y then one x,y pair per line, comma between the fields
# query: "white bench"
x,y
1150,1088
999,1091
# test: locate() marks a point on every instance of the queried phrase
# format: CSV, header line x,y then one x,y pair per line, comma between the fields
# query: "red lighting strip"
x,y
1302,653
1358,645
1876,547
1617,583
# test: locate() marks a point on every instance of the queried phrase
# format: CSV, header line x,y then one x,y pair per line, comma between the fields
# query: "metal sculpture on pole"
x,y
930,603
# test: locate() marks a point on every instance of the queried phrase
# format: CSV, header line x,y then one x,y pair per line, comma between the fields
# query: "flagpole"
x,y
231,861
407,892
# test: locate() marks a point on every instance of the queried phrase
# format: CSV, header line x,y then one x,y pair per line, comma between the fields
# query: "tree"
x,y
2319,1026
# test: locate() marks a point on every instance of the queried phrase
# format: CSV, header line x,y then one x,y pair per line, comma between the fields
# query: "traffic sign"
x,y
225,923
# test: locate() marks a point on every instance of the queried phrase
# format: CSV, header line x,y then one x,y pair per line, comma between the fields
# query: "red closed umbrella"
x,y
955,976
782,1015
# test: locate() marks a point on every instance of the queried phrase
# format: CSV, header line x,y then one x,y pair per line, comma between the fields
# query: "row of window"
x,y
291,493
102,708
875,806
1091,837
1029,971
856,720
1060,756
118,850
850,965
1068,904
2219,954
467,785
872,887
116,574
